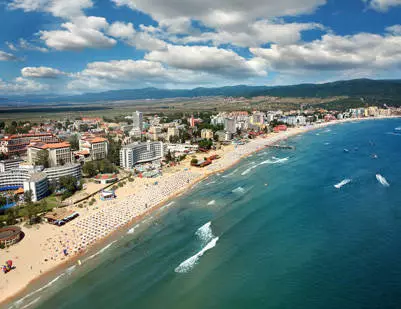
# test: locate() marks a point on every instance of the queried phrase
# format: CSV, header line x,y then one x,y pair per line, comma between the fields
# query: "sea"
x,y
318,226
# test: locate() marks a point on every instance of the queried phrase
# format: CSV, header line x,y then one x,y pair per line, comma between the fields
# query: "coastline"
x,y
232,156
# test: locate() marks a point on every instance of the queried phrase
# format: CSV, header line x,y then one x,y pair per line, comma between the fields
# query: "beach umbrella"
x,y
9,263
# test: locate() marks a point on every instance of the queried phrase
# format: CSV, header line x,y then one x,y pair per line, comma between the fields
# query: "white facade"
x,y
14,178
55,173
230,125
7,165
136,153
207,134
173,131
38,185
137,119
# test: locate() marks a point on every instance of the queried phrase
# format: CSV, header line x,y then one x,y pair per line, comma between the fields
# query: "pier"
x,y
281,147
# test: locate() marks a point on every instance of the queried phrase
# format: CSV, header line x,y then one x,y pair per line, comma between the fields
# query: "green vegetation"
x,y
42,158
74,141
70,184
92,168
205,143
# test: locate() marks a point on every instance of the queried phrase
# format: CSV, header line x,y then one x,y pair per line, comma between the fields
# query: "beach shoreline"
x,y
231,158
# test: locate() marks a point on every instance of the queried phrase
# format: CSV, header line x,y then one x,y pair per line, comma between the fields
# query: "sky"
x,y
78,46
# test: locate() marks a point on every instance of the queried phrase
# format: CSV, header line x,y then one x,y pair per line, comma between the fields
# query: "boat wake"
x,y
382,180
342,183
208,240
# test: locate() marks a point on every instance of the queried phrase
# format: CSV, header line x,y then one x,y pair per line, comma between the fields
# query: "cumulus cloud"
x,y
41,72
254,34
245,24
382,5
61,8
22,85
207,59
140,40
7,56
83,32
221,13
335,53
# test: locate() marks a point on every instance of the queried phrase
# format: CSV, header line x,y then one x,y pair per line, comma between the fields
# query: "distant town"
x,y
44,164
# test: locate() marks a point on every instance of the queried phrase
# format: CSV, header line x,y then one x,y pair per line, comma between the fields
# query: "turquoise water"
x,y
280,235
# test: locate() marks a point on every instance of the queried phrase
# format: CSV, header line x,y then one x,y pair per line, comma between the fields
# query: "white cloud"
x,y
41,72
382,5
222,13
82,32
396,29
61,8
207,59
7,56
22,85
335,53
255,34
140,40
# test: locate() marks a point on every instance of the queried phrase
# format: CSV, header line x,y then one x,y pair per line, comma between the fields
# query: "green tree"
x,y
3,200
42,158
28,197
90,168
2,125
74,142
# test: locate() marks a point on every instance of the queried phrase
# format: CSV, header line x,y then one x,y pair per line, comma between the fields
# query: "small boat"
x,y
346,150
374,156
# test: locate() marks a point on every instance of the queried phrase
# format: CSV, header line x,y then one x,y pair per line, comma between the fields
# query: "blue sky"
x,y
75,46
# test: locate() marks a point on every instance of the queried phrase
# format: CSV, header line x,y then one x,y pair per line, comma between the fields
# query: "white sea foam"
x,y
208,240
230,174
19,302
212,202
31,303
100,251
327,143
132,229
209,183
398,129
342,183
238,190
205,233
248,170
382,180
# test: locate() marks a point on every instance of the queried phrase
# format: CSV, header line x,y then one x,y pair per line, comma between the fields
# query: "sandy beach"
x,y
41,250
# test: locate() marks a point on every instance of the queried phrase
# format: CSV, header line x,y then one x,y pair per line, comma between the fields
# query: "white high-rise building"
x,y
230,125
137,118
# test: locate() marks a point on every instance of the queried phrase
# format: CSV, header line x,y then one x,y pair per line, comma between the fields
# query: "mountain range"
x,y
377,89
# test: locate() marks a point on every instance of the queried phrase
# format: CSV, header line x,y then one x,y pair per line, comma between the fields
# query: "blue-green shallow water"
x,y
296,243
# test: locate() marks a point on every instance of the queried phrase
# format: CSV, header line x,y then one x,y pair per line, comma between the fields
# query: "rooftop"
x,y
50,146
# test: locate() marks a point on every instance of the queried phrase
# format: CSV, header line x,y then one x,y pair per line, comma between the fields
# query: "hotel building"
x,y
59,153
136,153
96,147
17,144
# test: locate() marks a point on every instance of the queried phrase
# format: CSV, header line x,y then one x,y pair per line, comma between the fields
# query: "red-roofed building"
x,y
17,144
59,153
97,147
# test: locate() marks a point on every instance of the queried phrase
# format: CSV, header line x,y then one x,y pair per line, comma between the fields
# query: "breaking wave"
x,y
342,183
208,240
230,174
382,180
248,170
238,190
100,251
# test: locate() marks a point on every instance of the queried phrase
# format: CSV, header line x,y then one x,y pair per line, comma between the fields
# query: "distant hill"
x,y
378,89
